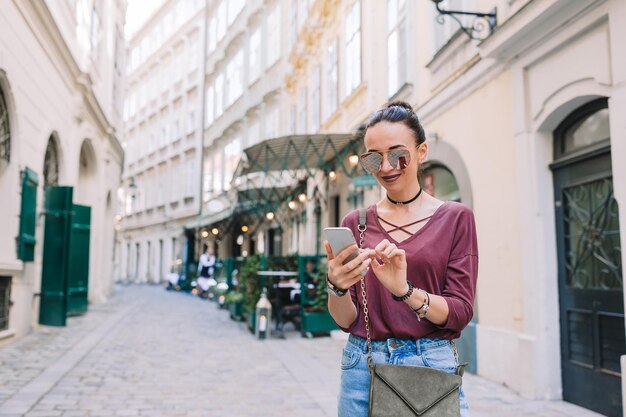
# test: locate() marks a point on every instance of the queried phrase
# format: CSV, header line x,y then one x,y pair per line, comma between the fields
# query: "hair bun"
x,y
402,104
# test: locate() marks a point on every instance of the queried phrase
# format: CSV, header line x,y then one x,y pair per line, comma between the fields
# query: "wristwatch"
x,y
338,292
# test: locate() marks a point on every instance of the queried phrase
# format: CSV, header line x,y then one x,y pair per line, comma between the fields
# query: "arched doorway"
x,y
439,181
51,163
87,185
589,261
5,129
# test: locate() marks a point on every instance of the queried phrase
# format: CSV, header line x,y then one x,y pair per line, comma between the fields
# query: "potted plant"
x,y
315,316
234,299
250,287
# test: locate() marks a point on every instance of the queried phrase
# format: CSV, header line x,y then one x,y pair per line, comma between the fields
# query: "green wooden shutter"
x,y
56,242
78,267
28,216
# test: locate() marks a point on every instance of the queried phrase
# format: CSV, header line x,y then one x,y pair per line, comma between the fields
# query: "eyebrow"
x,y
390,148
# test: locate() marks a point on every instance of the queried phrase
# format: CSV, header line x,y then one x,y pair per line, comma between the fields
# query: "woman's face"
x,y
386,136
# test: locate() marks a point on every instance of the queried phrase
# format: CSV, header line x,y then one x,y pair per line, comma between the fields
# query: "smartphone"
x,y
340,238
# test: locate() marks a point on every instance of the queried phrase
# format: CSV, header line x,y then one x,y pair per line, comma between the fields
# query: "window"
x,y
353,49
212,34
273,36
232,153
207,181
221,20
95,31
210,105
254,69
192,56
234,8
191,122
315,100
293,119
332,83
293,22
191,177
234,78
396,45
5,129
218,170
302,111
271,123
254,135
303,12
219,95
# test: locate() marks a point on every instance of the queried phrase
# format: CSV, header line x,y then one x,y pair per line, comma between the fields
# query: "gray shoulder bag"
x,y
407,391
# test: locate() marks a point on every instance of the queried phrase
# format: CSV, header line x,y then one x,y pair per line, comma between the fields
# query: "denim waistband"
x,y
393,344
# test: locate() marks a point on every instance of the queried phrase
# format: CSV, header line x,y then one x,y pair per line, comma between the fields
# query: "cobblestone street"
x,y
149,352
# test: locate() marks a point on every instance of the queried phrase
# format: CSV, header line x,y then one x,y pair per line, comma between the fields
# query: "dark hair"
x,y
205,247
399,111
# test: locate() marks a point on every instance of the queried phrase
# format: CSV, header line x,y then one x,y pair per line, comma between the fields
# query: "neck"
x,y
404,200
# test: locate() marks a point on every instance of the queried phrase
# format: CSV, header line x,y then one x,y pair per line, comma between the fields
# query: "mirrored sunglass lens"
x,y
371,162
399,156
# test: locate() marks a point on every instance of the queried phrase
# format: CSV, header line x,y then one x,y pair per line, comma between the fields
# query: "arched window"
x,y
51,164
582,129
5,129
438,181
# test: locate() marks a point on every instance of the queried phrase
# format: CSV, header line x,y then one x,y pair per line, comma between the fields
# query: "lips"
x,y
390,178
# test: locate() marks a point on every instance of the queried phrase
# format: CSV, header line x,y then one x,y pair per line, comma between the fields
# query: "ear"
x,y
422,152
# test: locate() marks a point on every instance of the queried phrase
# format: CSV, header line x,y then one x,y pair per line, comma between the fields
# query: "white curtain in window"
x,y
353,48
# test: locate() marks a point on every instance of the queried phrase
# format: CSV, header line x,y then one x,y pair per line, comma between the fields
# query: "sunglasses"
x,y
372,162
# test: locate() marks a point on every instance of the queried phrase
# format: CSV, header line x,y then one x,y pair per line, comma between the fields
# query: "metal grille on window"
x,y
5,129
5,302
51,164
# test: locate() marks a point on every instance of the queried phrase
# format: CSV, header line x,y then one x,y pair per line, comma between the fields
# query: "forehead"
x,y
384,135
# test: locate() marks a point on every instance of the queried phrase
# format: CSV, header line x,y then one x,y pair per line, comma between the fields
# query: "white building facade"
x,y
60,112
162,140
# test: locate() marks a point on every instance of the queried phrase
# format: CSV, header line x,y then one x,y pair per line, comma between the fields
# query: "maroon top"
x,y
442,259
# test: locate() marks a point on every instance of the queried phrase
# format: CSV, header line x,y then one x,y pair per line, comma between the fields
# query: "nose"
x,y
386,166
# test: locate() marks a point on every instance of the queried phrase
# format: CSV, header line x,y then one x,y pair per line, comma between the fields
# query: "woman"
x,y
422,261
205,271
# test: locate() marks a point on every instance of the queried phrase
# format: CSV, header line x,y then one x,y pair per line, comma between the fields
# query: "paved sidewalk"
x,y
149,352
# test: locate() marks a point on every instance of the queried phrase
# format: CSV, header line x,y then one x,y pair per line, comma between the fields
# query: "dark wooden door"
x,y
590,281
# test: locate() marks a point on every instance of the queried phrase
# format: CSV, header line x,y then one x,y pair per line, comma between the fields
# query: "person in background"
x,y
206,266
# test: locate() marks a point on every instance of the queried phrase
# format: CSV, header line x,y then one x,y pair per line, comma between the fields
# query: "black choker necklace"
x,y
401,203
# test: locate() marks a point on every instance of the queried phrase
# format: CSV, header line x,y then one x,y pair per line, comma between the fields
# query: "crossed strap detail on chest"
x,y
402,228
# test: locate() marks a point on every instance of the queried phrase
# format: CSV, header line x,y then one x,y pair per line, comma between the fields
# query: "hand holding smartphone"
x,y
340,238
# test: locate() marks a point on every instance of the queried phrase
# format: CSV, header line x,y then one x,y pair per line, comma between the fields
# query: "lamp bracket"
x,y
477,29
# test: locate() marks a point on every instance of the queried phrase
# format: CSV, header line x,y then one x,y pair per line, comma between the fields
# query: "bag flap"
x,y
420,388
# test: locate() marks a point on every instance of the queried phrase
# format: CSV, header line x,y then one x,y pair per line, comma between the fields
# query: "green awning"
x,y
301,153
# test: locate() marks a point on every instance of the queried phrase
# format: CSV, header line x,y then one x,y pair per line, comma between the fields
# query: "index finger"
x,y
329,250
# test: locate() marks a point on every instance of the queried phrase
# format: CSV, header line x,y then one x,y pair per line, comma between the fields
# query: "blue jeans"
x,y
355,375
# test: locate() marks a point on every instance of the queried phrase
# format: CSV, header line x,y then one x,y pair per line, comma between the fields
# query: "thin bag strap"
x,y
362,228
370,362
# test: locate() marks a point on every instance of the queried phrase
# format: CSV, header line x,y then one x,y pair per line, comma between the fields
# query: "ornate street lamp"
x,y
477,29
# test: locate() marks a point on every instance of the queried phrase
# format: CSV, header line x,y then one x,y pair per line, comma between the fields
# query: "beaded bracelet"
x,y
405,296
421,312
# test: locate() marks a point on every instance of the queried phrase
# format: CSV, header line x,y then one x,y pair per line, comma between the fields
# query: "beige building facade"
x,y
525,125
60,113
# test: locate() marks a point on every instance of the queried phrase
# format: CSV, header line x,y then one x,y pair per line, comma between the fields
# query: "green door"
x,y
78,267
58,206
